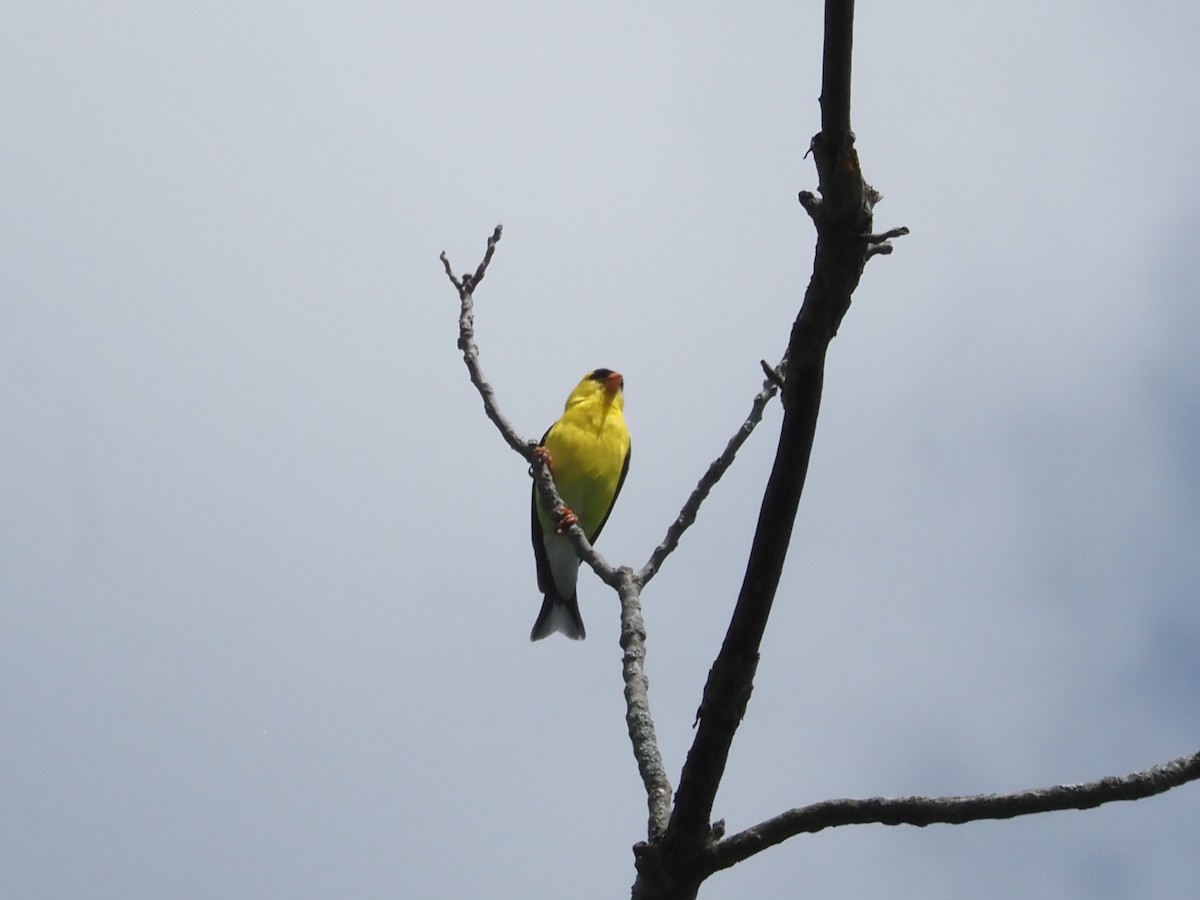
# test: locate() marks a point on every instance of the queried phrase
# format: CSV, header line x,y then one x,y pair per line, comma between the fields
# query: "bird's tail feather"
x,y
559,615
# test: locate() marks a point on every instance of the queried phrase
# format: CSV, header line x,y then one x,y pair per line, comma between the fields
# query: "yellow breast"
x,y
588,447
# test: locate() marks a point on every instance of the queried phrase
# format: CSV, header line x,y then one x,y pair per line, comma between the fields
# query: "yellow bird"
x,y
588,454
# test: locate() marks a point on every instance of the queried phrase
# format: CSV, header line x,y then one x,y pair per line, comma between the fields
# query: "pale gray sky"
x,y
265,582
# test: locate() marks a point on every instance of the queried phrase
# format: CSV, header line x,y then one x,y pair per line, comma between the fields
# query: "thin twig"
x,y
716,469
922,811
886,236
774,373
466,343
877,244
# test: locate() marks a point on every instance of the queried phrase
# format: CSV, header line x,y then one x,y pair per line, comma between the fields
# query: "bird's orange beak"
x,y
614,384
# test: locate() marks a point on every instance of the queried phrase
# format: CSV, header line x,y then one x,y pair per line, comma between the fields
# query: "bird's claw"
x,y
566,519
543,454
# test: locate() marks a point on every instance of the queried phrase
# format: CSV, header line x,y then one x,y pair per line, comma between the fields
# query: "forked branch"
x,y
639,722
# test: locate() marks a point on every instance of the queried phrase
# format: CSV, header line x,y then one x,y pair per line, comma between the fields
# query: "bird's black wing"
x,y
617,493
545,579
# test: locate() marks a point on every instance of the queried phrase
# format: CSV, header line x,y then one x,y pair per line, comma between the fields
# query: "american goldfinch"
x,y
588,454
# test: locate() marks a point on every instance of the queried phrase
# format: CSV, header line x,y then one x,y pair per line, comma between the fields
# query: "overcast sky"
x,y
265,581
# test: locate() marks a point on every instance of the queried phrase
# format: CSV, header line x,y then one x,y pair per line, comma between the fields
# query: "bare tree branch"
x,y
836,66
922,811
637,707
842,217
676,866
466,342
716,470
